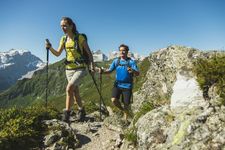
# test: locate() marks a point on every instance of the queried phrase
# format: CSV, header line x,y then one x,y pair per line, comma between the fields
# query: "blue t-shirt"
x,y
123,77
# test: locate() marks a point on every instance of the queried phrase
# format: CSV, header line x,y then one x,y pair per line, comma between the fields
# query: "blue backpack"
x,y
122,75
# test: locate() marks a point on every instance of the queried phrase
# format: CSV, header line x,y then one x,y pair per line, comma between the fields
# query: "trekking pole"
x,y
46,90
95,83
100,100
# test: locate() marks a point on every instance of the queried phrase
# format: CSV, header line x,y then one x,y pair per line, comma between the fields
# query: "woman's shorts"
x,y
74,76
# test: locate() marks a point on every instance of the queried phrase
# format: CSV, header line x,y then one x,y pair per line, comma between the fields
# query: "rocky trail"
x,y
91,134
102,138
96,135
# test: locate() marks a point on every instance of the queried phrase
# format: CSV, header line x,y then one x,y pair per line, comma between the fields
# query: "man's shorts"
x,y
126,93
74,76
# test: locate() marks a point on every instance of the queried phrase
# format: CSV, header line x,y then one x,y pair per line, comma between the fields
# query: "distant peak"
x,y
19,51
13,52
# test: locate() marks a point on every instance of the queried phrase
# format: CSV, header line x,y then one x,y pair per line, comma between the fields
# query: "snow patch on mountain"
x,y
30,74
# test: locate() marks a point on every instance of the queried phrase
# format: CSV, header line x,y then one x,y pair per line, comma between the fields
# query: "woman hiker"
x,y
74,44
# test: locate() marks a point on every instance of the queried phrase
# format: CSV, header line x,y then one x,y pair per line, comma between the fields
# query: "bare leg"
x,y
81,112
77,97
126,111
69,96
117,103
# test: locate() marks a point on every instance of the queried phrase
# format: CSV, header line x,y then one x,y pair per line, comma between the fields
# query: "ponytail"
x,y
74,29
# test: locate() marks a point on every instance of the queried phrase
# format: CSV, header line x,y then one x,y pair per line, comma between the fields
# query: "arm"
x,y
102,70
107,71
134,69
55,52
90,56
136,73
87,49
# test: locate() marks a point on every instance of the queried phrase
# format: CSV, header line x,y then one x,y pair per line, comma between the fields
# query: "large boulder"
x,y
184,116
195,128
162,74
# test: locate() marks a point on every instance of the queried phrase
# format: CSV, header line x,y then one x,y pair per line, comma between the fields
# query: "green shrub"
x,y
210,72
131,135
21,128
143,67
146,107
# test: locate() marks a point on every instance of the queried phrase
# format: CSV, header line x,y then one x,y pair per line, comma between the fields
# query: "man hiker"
x,y
75,45
125,68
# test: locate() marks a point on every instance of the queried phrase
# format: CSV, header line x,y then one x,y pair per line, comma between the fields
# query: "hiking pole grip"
x,y
47,41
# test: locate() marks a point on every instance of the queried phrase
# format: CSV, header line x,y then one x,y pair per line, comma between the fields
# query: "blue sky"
x,y
144,25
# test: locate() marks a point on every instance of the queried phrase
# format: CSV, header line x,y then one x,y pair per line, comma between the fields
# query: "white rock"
x,y
186,93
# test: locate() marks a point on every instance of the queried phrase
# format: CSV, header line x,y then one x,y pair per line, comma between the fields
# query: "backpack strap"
x,y
118,62
64,43
127,60
77,47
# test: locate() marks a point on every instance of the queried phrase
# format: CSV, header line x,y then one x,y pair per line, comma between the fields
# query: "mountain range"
x,y
16,63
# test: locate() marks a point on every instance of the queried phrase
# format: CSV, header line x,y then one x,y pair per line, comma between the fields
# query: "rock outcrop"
x,y
183,118
165,65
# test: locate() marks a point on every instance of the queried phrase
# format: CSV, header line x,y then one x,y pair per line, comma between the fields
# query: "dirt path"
x,y
95,135
103,139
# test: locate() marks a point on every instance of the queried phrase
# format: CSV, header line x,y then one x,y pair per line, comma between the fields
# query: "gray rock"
x,y
119,140
150,128
185,131
51,138
60,136
196,120
161,76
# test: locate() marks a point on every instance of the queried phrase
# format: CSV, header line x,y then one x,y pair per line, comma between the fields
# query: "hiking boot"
x,y
81,114
66,116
